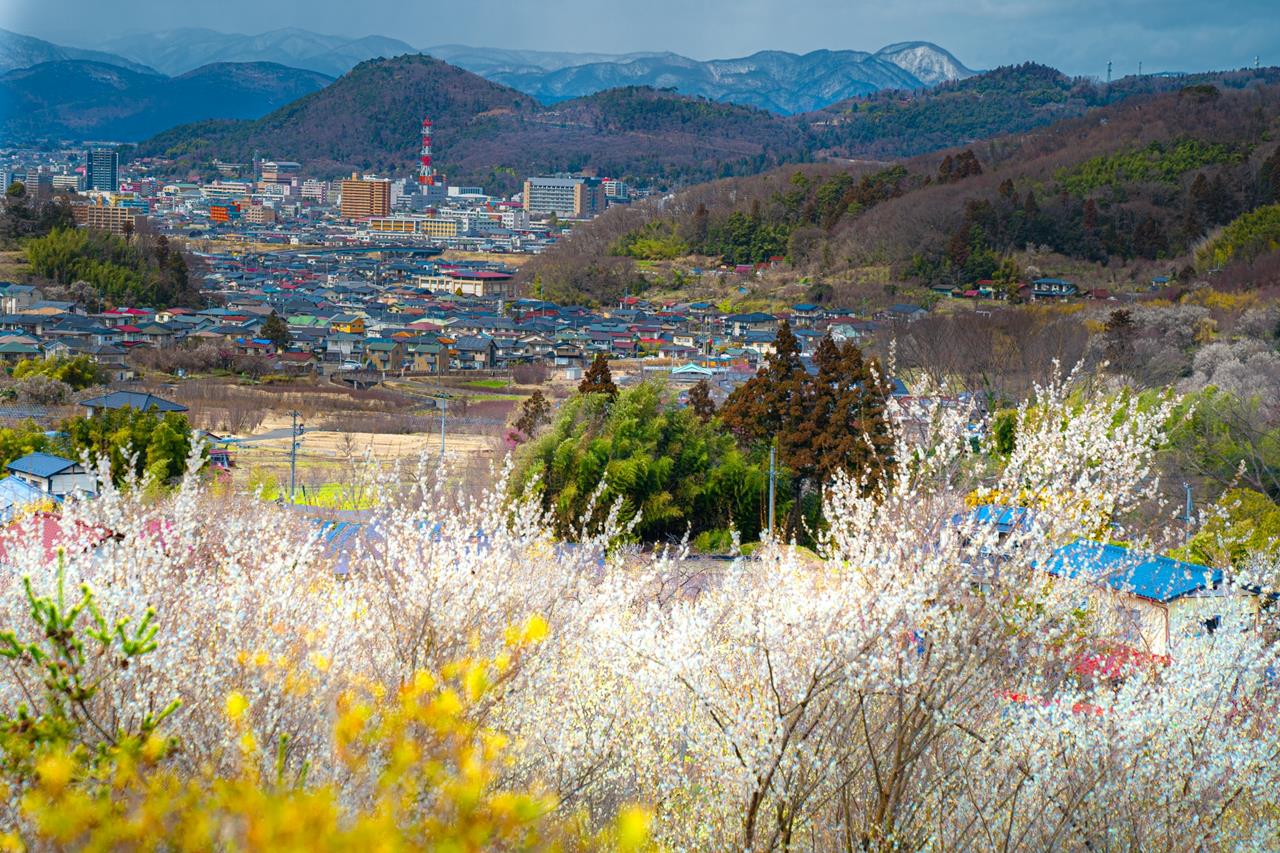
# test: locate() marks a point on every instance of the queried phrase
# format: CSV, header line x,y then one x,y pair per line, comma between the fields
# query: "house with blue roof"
x,y
1151,602
53,476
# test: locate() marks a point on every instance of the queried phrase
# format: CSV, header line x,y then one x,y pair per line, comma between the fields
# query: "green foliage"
x,y
672,472
1004,432
159,443
144,272
1244,524
79,371
1156,163
28,437
654,241
1215,435
1244,239
743,238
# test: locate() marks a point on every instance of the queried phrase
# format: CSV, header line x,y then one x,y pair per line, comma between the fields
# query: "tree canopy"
x,y
671,471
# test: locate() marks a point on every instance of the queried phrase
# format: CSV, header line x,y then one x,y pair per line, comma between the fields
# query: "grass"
x,y
487,383
328,496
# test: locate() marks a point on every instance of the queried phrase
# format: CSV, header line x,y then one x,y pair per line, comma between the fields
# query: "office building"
x,y
101,169
564,195
365,197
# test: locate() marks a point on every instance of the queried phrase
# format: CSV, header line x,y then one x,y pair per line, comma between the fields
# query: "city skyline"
x,y
1078,38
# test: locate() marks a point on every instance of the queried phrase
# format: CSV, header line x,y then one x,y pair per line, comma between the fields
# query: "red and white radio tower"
x,y
426,172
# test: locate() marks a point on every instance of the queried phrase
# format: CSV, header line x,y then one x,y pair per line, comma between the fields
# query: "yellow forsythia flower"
x,y
55,771
633,828
236,705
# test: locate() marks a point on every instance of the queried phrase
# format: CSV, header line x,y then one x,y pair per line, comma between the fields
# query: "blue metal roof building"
x,y
43,465
1156,578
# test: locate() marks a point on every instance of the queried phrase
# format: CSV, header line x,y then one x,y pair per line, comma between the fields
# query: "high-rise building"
x,y
564,195
365,197
101,169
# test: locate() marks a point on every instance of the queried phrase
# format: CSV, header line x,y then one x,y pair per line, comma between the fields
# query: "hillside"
x,y
486,133
19,51
77,99
1127,191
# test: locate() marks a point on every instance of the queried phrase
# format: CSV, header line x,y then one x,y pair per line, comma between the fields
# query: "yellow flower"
x,y
633,828
55,771
236,705
320,662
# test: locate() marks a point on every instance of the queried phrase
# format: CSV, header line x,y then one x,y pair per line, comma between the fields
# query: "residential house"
x,y
53,475
474,352
1053,288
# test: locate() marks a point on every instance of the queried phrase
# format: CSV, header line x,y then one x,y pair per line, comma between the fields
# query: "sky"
x,y
1076,36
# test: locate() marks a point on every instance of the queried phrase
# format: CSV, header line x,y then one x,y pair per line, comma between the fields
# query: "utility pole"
x,y
444,406
773,482
1187,516
1108,72
294,432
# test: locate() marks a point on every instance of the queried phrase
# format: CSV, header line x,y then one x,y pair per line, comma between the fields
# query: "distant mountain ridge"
x,y
778,81
80,99
178,51
19,51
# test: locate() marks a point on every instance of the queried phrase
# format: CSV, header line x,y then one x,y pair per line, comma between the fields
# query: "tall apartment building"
x,y
564,195
365,197
101,169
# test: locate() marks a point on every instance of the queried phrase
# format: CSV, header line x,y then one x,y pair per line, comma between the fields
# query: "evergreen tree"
x,y
534,412
700,402
598,379
850,425
276,330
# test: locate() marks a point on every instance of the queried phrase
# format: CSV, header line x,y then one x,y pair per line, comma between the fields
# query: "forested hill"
x,y
486,133
1124,190
489,134
1012,99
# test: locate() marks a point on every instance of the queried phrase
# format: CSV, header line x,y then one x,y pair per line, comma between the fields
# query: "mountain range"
x,y
493,135
83,99
778,81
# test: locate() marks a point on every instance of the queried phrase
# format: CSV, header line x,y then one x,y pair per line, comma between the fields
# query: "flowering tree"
x,y
916,682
